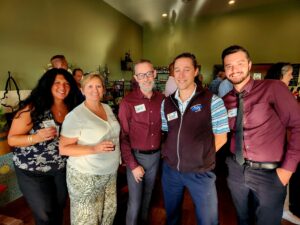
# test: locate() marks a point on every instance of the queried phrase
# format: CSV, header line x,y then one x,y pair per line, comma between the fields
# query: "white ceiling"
x,y
150,11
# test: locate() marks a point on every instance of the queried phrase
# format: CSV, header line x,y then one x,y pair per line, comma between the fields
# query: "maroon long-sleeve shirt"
x,y
269,110
140,122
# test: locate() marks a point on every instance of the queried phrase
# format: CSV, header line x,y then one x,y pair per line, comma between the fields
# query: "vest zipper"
x,y
178,141
177,150
178,135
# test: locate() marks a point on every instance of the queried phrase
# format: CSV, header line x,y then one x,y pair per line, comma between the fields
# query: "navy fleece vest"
x,y
190,146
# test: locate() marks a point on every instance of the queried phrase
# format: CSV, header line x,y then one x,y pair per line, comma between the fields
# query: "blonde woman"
x,y
90,137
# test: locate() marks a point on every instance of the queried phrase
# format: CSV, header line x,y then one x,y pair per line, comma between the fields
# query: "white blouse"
x,y
89,129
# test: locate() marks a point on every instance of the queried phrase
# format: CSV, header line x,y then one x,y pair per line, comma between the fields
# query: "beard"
x,y
240,79
147,86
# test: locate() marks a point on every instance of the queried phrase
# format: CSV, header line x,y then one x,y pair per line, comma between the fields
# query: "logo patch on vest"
x,y
196,108
172,116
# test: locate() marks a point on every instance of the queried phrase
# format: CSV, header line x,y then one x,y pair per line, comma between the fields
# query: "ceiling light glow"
x,y
164,14
231,2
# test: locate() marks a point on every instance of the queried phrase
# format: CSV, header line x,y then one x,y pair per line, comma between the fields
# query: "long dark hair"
x,y
187,55
41,99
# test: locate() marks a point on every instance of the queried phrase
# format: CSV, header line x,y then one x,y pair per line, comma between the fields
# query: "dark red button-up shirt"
x,y
269,110
140,124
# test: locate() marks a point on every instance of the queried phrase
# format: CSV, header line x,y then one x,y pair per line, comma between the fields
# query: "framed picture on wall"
x,y
256,76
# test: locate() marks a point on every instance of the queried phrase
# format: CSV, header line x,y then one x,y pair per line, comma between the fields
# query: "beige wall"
x,y
88,33
271,34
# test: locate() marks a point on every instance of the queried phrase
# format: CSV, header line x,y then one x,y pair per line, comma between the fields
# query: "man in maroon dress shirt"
x,y
258,175
140,120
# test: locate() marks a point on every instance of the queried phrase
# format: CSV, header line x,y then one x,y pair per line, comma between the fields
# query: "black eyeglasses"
x,y
141,76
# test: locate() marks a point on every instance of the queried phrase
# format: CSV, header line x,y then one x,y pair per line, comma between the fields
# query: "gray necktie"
x,y
239,134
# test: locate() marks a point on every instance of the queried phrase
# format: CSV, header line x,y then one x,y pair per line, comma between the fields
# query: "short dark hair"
x,y
233,49
187,55
75,70
58,57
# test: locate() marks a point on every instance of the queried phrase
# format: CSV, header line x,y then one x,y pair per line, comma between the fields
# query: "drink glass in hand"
x,y
115,142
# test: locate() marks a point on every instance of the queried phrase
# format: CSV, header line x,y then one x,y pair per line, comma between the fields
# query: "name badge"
x,y
196,108
172,116
49,123
140,108
232,112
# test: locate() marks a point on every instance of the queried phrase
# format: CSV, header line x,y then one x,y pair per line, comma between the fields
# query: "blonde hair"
x,y
91,76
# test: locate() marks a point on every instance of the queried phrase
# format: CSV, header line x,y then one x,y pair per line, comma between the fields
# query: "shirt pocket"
x,y
141,118
258,114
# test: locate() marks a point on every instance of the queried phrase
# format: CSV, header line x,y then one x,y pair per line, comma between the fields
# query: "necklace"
x,y
59,113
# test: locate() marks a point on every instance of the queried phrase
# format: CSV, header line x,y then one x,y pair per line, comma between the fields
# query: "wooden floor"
x,y
19,209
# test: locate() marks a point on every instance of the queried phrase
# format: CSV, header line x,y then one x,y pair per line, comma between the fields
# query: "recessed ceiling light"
x,y
164,14
231,2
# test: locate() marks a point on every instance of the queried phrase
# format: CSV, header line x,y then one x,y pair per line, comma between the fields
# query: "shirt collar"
x,y
178,98
142,96
247,88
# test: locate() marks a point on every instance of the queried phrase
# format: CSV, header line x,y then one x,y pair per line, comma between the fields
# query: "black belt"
x,y
262,165
146,152
259,165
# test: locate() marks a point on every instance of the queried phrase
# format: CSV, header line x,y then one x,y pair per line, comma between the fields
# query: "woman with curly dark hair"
x,y
34,135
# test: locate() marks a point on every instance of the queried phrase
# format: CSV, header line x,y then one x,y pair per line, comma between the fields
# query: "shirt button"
x,y
151,111
152,146
247,146
151,123
152,134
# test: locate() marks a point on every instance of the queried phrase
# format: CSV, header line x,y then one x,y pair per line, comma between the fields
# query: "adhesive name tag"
x,y
232,112
140,108
172,116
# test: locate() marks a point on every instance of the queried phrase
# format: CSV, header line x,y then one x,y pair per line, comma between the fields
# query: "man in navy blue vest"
x,y
196,124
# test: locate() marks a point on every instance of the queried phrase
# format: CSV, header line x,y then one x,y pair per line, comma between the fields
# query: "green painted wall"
x,y
87,32
270,34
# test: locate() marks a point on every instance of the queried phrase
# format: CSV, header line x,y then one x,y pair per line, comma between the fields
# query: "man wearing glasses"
x,y
140,120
